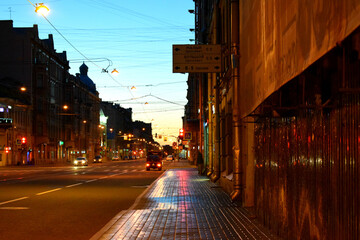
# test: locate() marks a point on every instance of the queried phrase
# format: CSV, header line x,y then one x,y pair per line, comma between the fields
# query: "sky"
x,y
133,36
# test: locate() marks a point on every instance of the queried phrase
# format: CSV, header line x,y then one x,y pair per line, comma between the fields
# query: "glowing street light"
x,y
41,9
115,72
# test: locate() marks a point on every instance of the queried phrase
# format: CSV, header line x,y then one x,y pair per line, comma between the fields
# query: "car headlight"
x,y
75,162
83,161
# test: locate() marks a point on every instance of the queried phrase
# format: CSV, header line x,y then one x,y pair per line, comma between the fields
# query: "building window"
x,y
40,80
39,128
40,106
52,89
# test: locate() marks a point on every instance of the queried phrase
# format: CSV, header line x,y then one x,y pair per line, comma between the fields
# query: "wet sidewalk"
x,y
180,204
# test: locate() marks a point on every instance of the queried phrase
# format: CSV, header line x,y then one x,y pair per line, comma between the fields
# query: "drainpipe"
x,y
216,157
216,174
236,194
210,130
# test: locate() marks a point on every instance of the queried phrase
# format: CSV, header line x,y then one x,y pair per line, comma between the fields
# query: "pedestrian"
x,y
200,162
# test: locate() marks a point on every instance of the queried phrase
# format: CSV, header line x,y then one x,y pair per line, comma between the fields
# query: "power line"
x,y
148,95
144,85
167,100
157,111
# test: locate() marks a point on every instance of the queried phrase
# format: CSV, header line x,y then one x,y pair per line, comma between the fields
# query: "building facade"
x,y
34,65
15,124
118,125
279,125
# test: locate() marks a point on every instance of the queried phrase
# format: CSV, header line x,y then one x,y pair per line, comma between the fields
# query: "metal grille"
x,y
307,172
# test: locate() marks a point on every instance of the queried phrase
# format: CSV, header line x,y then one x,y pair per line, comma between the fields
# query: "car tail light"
x,y
159,164
148,164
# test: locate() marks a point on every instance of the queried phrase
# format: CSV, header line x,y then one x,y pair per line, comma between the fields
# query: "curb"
x,y
118,216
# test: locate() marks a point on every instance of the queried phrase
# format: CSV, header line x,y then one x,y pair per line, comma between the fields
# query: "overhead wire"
x,y
145,85
149,95
77,50
157,111
109,35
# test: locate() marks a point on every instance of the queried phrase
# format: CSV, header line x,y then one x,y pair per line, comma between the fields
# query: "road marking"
x,y
92,180
74,185
13,208
50,191
145,186
14,200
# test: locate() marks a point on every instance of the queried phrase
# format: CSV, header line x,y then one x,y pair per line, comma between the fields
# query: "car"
x,y
98,159
81,161
169,158
126,157
153,161
115,158
156,153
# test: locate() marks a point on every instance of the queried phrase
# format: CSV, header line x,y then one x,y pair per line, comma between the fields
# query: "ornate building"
x,y
43,122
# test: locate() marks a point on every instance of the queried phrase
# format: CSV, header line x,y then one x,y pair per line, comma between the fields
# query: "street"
x,y
68,202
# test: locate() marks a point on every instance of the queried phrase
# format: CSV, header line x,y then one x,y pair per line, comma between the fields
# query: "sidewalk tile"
x,y
183,205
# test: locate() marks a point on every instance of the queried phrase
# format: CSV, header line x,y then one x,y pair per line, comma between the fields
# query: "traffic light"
x,y
181,133
6,149
23,140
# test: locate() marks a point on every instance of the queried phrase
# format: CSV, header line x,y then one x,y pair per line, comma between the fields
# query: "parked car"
x,y
115,158
153,161
169,158
81,161
98,159
126,157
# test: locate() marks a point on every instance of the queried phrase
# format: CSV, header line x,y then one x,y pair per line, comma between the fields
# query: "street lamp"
x,y
115,72
41,9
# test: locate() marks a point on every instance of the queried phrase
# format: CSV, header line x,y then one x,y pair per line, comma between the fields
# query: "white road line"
x,y
50,191
92,180
74,185
14,208
14,200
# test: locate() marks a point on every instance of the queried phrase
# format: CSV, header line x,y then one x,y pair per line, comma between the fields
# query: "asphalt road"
x,y
67,202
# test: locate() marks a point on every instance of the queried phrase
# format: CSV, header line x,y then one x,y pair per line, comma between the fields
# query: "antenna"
x,y
10,12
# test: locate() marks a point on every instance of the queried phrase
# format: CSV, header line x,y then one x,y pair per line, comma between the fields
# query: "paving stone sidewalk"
x,y
183,205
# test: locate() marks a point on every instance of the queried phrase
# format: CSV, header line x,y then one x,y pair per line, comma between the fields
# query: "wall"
x,y
281,38
307,154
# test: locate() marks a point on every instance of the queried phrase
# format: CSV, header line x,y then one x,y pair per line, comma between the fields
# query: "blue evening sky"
x,y
135,35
